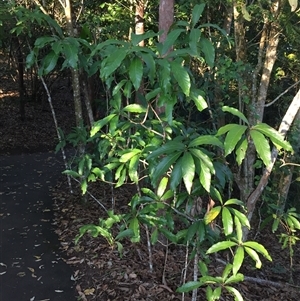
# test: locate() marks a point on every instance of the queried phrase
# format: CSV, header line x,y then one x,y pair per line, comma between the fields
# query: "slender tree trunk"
x,y
74,72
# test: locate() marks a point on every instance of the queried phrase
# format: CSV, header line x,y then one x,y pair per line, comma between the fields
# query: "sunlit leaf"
x,y
223,245
293,4
97,126
227,221
188,171
254,256
237,260
205,176
135,108
262,146
259,248
133,168
235,112
233,137
237,295
162,186
206,139
241,151
189,286
198,97
212,214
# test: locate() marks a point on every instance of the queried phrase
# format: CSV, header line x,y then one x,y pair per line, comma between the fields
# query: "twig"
x,y
165,265
185,267
195,276
269,282
292,86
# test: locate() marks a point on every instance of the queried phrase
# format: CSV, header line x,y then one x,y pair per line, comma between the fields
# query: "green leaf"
x,y
162,186
163,166
241,151
262,146
226,128
133,169
176,175
135,227
212,214
254,256
136,72
137,38
167,148
189,286
198,98
238,229
135,108
235,278
217,293
154,237
196,13
194,37
71,53
206,139
275,136
237,295
235,112
170,40
42,41
209,51
49,62
188,171
234,202
245,13
237,261
129,154
205,176
164,76
97,126
227,221
203,268
182,77
150,66
220,246
204,159
227,270
259,248
241,216
233,137
112,62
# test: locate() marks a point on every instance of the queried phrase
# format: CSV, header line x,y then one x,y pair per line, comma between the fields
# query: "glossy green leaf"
x,y
227,221
233,202
188,170
259,248
227,270
129,154
196,13
295,222
170,40
205,160
237,295
202,268
167,148
121,178
238,229
245,13
206,139
112,62
262,146
226,128
189,286
71,54
181,76
241,151
135,108
97,126
163,166
49,62
162,186
135,227
176,175
235,278
275,136
212,214
254,256
237,261
198,97
241,216
133,168
233,137
194,37
136,72
223,245
205,176
217,293
208,49
235,112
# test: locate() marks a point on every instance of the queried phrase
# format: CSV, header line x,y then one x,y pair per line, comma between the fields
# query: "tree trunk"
x,y
74,72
